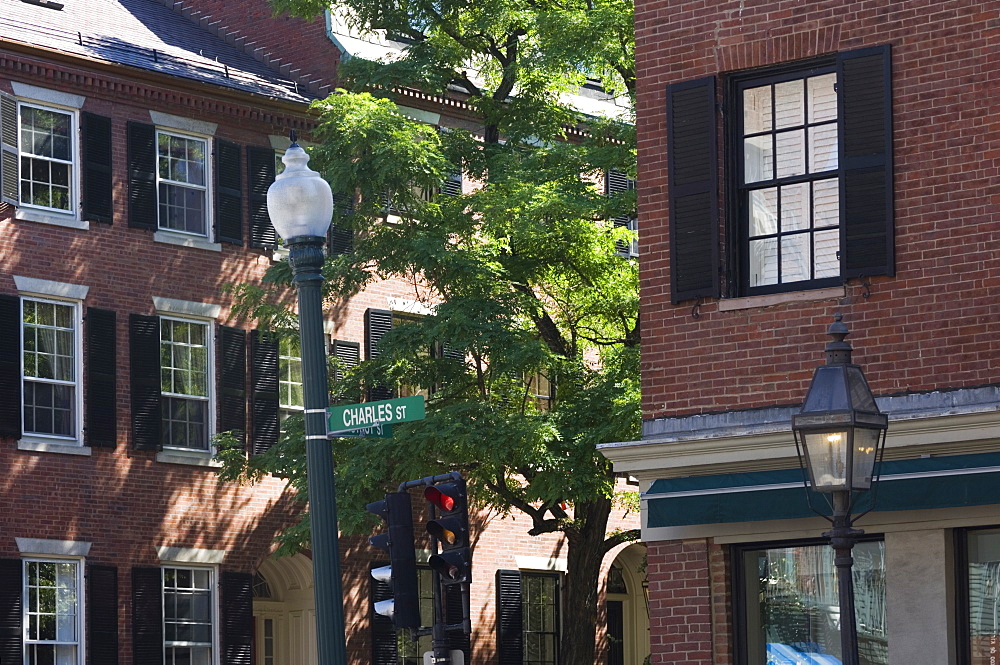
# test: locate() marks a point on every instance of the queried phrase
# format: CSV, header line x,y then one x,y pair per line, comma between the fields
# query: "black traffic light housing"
x,y
401,573
451,531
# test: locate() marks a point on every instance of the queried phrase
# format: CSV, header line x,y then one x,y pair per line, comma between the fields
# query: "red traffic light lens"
x,y
439,498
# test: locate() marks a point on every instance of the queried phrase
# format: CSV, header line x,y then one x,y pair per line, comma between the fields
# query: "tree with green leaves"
x,y
524,273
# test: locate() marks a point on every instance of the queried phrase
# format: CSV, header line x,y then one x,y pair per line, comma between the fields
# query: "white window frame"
x,y
42,212
80,606
286,409
210,378
214,608
207,188
76,439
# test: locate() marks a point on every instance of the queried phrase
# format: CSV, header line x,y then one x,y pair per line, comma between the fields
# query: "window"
x,y
789,610
789,182
289,377
394,647
51,368
47,149
541,391
185,379
808,173
52,621
981,594
188,611
528,617
182,183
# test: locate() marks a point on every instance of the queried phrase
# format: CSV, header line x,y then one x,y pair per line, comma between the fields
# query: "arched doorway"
x,y
284,612
627,608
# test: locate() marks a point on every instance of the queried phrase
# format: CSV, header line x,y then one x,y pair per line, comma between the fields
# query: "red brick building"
x,y
797,160
139,138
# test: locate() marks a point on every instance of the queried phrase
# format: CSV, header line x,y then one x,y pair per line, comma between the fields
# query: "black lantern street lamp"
x,y
300,204
839,437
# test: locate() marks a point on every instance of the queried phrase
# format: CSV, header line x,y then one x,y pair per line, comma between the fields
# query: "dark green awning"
x,y
913,484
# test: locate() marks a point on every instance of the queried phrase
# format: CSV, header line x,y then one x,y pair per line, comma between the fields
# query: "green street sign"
x,y
379,431
387,412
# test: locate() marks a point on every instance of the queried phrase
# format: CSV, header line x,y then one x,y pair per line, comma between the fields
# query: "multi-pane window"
x,y
50,353
789,184
182,180
290,398
409,652
540,617
185,362
47,152
188,611
982,597
51,612
791,611
541,391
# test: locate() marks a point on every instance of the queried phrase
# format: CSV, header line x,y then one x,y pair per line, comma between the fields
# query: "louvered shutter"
x,y
10,611
348,355
452,186
10,367
144,361
264,387
616,183
233,380
102,615
510,632
9,159
457,640
228,192
237,618
867,235
147,616
693,179
102,387
383,631
98,190
377,323
260,174
339,239
142,212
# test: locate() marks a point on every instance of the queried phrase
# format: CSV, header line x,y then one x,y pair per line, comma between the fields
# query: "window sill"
x,y
181,240
190,458
39,445
753,302
68,221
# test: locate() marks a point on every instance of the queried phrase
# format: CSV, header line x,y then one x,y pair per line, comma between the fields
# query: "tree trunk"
x,y
584,556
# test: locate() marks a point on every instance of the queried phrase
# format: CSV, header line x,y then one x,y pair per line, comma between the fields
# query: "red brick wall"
x,y
933,325
680,602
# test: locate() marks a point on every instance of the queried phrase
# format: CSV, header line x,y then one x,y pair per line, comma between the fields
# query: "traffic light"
x,y
401,573
451,529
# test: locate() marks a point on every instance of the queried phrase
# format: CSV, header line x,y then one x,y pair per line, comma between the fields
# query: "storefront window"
x,y
983,590
791,612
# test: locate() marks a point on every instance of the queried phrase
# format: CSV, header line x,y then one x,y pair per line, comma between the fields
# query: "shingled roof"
x,y
143,34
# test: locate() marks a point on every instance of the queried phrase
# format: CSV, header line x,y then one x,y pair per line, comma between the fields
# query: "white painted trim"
x,y
69,221
186,307
38,445
46,546
541,563
190,555
753,302
198,458
58,97
185,240
170,121
420,115
46,287
280,143
409,306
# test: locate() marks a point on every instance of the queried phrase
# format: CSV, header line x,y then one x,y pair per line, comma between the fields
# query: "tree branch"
x,y
618,538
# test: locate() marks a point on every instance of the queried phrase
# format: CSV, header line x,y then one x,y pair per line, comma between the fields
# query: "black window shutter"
x,y
264,391
237,618
144,360
10,367
348,355
339,239
102,387
10,611
617,182
233,380
377,323
866,211
260,173
102,615
9,159
142,212
383,631
694,201
452,186
228,192
457,640
98,196
510,635
147,616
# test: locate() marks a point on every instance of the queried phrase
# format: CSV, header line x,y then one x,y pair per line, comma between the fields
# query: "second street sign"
x,y
386,412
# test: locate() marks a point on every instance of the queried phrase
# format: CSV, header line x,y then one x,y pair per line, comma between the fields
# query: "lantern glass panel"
x,y
826,458
865,452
